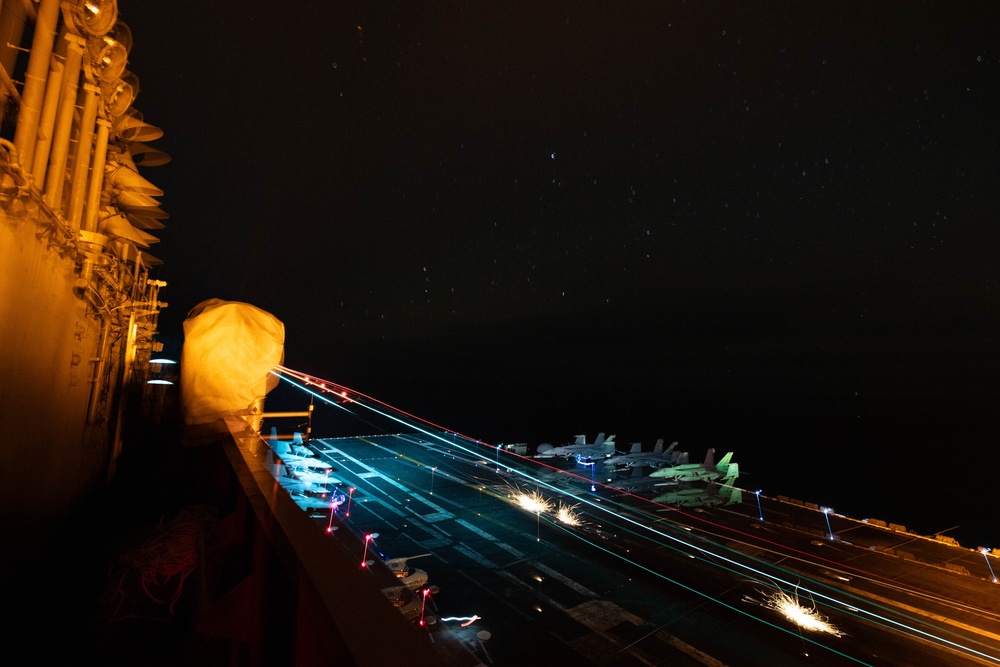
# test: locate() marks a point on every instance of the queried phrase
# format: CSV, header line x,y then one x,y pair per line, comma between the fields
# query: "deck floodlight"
x,y
118,226
119,93
131,127
109,53
144,222
92,17
121,33
124,178
135,201
146,156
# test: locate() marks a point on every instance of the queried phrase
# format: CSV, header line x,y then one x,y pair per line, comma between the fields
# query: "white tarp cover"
x,y
229,350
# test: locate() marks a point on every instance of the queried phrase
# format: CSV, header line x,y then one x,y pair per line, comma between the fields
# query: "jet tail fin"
x,y
658,449
636,448
397,564
735,494
724,463
710,458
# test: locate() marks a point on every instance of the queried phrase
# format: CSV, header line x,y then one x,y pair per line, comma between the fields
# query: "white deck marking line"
x,y
438,510
371,471
509,576
392,482
437,529
429,503
560,577
549,601
380,495
478,531
492,538
475,555
511,550
430,528
379,516
689,650
433,544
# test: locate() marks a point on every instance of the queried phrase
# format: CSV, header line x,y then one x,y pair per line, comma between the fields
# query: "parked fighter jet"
x,y
656,458
414,578
707,496
403,599
296,454
314,503
581,450
299,479
697,472
639,482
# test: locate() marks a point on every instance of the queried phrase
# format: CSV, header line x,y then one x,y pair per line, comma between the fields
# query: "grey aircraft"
x,y
707,496
655,459
581,450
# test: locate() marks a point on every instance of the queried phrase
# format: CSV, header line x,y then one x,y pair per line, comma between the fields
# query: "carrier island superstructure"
x,y
78,305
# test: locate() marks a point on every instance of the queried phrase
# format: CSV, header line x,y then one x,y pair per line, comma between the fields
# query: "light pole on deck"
x,y
432,479
984,551
760,512
826,513
423,604
368,538
333,508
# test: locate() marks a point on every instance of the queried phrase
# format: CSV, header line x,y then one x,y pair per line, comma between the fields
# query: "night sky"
x,y
762,227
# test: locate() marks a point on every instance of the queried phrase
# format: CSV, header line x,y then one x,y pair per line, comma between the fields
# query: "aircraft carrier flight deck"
x,y
504,558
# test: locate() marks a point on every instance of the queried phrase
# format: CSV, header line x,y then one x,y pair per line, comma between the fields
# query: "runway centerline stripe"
x,y
560,577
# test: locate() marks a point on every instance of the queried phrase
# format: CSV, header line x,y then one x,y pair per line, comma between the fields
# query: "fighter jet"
x,y
582,451
638,482
656,458
698,472
297,454
314,503
302,462
708,496
413,578
312,477
298,479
